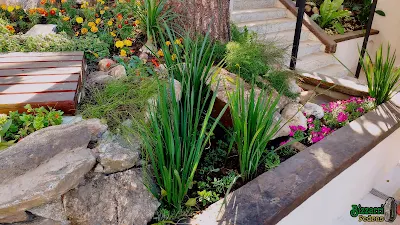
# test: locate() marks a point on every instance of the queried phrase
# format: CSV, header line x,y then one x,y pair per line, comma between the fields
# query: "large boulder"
x,y
312,109
39,147
53,210
116,199
291,116
106,64
118,72
47,182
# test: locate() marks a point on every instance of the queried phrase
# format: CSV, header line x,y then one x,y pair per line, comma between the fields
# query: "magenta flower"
x,y
310,120
283,143
311,126
301,128
342,117
325,130
293,128
361,110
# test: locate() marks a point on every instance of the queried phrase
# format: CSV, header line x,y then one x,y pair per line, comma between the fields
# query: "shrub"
x,y
254,126
330,13
382,76
181,127
119,100
279,80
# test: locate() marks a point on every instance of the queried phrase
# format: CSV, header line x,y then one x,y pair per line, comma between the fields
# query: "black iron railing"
x,y
296,41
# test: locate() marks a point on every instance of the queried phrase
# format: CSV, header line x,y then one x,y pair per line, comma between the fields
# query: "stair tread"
x,y
243,11
334,70
314,61
265,22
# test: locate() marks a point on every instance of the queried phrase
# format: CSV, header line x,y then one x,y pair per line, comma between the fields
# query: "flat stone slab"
x,y
47,182
274,194
42,29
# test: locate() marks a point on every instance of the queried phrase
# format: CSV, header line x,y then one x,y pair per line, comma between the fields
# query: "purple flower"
x,y
310,120
342,117
361,110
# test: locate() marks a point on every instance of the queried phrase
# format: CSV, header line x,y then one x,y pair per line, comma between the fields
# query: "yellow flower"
x,y
110,23
55,9
79,19
96,55
98,20
160,53
3,7
63,1
128,43
173,57
66,18
10,8
102,12
119,44
106,8
113,34
84,30
168,43
137,22
121,1
20,17
94,29
178,41
138,3
123,53
17,7
91,24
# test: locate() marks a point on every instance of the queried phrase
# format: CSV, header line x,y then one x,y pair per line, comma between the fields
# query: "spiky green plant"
x,y
254,126
382,76
180,130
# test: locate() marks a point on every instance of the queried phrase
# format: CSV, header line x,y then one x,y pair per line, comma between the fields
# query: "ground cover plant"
x,y
16,126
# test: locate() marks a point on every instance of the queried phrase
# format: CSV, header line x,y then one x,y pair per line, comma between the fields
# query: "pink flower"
x,y
361,110
325,130
311,126
310,120
342,117
291,134
283,143
301,128
293,128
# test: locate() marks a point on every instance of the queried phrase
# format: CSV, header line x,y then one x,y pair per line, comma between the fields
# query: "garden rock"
x,y
17,217
53,210
313,109
42,145
119,198
42,29
46,182
114,158
144,57
118,72
42,221
294,87
106,64
96,128
307,8
306,96
99,78
315,10
292,113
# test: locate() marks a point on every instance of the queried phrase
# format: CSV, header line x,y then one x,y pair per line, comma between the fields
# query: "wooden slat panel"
x,y
34,59
36,98
39,79
28,65
39,54
41,71
37,88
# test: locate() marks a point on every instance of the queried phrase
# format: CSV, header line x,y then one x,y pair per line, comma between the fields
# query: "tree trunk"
x,y
201,16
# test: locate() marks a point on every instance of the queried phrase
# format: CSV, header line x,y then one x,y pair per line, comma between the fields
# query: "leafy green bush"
x,y
279,80
19,125
119,100
382,76
254,126
93,46
330,13
181,127
249,57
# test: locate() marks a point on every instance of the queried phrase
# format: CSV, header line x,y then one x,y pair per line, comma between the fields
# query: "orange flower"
x,y
119,16
94,29
63,1
84,30
43,2
52,12
52,1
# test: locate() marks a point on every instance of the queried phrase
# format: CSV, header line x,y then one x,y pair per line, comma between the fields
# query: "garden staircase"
x,y
272,21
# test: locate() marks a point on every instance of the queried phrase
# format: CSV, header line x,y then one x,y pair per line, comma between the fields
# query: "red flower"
x,y
155,62
119,26
108,65
119,16
52,12
132,51
126,22
45,14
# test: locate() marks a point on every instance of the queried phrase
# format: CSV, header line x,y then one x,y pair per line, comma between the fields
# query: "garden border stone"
x,y
273,195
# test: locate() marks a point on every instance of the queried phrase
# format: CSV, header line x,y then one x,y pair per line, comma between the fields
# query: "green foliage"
x,y
382,76
28,122
330,13
135,66
279,80
119,100
5,124
3,24
364,9
93,46
272,160
206,197
249,57
254,125
181,127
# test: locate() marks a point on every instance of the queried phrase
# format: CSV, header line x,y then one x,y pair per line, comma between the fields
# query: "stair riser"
x,y
252,4
303,51
284,37
256,16
270,28
313,65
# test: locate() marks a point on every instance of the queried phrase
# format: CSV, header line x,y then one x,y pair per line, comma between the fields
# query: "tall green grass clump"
x,y
179,131
382,76
254,126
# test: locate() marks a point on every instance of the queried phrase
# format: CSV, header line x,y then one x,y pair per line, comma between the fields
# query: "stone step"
x,y
252,4
269,26
247,15
313,62
334,70
45,183
284,36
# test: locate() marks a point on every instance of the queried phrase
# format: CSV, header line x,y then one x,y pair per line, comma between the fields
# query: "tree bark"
x,y
202,16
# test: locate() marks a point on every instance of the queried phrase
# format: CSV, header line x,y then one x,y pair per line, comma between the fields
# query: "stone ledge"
x,y
274,194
